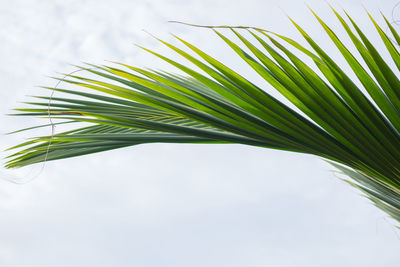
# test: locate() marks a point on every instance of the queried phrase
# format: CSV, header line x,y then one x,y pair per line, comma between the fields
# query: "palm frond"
x,y
354,127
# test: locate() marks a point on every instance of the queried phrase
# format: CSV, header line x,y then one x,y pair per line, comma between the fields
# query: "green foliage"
x,y
355,128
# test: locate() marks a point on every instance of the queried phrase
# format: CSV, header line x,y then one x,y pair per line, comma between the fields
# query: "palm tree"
x,y
355,128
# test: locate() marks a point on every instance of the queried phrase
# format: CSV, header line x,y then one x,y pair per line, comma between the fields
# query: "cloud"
x,y
163,204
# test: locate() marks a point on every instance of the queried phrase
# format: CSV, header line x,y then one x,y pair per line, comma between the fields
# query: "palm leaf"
x,y
356,128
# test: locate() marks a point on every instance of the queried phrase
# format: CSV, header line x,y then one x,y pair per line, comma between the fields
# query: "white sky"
x,y
172,205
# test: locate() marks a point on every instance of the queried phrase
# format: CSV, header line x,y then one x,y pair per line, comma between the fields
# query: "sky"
x,y
165,204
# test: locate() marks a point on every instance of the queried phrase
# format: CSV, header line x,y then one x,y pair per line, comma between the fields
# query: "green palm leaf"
x,y
356,128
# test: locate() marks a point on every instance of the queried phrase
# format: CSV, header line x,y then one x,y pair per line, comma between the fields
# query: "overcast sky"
x,y
164,204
